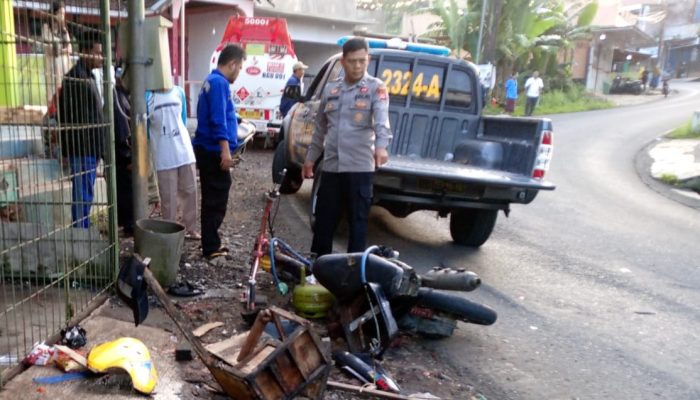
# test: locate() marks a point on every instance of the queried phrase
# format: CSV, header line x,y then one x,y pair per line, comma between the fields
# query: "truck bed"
x,y
455,172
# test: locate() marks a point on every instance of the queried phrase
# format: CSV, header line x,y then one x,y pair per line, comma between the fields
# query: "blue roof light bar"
x,y
397,43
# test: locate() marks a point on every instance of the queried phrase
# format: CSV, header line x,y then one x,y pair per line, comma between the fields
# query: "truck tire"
x,y
314,194
472,227
293,179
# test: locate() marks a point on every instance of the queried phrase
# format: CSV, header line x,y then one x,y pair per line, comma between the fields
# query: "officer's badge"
x,y
361,104
335,90
358,117
364,89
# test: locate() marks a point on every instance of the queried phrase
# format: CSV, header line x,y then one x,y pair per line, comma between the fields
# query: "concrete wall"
x,y
52,252
314,54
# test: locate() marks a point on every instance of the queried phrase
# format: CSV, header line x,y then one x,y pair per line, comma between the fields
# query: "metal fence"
x,y
58,240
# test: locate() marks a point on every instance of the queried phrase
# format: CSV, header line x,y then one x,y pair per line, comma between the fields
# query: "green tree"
x,y
393,10
458,27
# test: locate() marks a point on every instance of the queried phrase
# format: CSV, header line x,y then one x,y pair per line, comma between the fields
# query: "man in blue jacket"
x,y
293,89
215,139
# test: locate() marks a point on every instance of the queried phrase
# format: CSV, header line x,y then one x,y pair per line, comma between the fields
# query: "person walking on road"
x,y
293,89
173,156
216,138
511,92
352,132
533,87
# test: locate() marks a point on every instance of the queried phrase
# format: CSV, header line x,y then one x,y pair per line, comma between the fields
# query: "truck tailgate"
x,y
450,171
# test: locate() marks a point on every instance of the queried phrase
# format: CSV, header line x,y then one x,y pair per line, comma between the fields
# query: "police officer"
x,y
352,131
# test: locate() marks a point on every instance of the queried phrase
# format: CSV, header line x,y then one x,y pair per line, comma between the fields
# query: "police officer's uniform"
x,y
352,120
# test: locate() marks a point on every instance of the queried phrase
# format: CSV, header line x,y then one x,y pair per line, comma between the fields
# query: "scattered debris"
x,y
74,337
249,367
202,330
183,352
130,355
366,392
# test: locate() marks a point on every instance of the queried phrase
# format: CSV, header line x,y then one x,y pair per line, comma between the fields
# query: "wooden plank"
x,y
202,330
232,342
74,355
306,355
259,357
365,392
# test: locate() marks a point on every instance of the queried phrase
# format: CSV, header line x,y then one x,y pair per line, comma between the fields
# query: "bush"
x,y
558,101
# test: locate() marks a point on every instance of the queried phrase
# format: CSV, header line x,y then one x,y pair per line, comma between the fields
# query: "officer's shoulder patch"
x,y
206,86
382,93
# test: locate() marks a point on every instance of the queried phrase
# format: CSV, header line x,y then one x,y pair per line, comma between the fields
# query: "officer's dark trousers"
x,y
346,191
215,185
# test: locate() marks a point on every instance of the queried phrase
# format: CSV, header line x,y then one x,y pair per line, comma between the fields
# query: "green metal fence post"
x,y
110,153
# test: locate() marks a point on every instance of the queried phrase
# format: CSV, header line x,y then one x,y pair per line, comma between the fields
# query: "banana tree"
x,y
458,27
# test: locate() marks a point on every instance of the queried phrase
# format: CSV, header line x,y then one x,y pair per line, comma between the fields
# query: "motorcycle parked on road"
x,y
622,85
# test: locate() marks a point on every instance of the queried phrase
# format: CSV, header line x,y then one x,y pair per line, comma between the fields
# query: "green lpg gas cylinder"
x,y
311,301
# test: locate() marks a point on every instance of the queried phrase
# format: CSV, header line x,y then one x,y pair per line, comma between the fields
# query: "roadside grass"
x,y
669,179
684,132
557,102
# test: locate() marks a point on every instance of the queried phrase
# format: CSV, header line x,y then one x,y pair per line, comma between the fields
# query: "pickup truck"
x,y
445,156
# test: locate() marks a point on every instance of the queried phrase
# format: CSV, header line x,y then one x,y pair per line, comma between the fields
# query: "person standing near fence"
x,y
122,150
57,48
533,86
82,127
173,156
216,138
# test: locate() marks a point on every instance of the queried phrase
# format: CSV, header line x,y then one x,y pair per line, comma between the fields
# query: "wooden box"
x,y
293,365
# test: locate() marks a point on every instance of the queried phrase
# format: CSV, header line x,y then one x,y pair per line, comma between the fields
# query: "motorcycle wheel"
x,y
457,306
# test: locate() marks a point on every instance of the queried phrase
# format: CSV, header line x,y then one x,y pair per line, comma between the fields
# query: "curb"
x,y
642,165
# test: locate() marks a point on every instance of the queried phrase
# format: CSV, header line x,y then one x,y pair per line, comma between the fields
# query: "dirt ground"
x,y
415,367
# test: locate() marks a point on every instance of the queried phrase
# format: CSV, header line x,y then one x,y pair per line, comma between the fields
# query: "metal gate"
x,y
58,238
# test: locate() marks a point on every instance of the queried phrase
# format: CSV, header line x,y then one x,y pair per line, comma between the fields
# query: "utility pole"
x,y
140,164
477,59
660,51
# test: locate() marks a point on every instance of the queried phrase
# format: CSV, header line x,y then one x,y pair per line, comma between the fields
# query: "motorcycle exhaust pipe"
x,y
451,279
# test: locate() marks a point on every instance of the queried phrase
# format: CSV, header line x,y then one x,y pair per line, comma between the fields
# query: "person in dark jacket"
x,y
293,89
82,127
216,138
122,149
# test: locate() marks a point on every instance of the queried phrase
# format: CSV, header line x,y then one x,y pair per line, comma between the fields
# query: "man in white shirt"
x,y
533,86
173,156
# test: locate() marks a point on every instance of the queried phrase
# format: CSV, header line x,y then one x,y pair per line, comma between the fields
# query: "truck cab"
x,y
269,60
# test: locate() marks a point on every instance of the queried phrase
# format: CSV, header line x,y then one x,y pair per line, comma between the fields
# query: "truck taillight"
x,y
267,115
544,155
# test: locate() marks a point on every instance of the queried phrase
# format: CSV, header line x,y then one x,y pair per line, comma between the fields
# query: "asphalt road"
x,y
596,284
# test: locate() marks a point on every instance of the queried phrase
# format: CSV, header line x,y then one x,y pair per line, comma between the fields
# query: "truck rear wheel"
x,y
293,179
472,227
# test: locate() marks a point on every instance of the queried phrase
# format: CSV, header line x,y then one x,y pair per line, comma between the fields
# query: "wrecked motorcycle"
x,y
377,295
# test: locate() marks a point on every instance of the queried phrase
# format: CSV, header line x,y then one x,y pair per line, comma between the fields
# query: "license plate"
x,y
441,186
250,114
